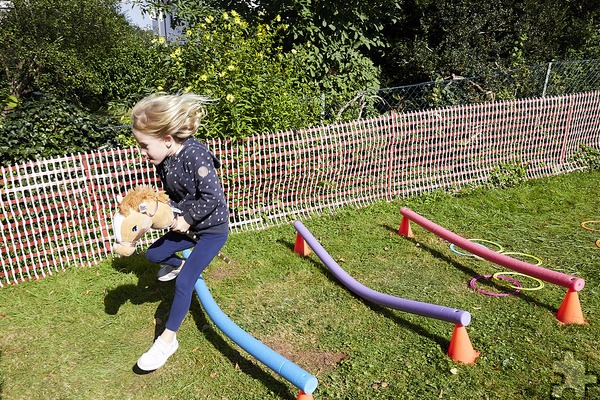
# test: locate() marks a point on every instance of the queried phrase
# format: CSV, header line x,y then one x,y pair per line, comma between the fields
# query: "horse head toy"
x,y
142,209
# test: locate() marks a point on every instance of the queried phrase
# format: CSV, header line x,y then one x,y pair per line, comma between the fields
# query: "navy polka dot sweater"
x,y
190,179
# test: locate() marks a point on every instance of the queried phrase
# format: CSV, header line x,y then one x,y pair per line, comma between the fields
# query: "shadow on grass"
x,y
149,289
470,272
441,341
252,369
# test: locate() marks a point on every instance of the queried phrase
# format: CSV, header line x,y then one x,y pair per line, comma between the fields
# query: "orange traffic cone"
x,y
460,348
301,247
405,228
304,396
569,311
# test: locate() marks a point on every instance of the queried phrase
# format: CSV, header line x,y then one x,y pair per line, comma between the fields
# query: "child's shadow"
x,y
147,290
150,289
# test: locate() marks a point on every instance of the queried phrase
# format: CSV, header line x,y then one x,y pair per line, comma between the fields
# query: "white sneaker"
x,y
158,354
168,273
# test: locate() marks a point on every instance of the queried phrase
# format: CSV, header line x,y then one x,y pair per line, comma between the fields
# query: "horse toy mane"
x,y
142,209
140,195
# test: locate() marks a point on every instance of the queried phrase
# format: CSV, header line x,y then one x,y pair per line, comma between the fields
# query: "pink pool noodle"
x,y
557,278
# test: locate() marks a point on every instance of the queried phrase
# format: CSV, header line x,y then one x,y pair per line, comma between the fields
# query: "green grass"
x,y
77,334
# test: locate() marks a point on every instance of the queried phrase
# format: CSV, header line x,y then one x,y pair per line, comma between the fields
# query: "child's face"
x,y
154,149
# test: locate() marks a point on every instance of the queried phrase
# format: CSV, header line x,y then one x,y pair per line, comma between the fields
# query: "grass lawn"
x,y
77,334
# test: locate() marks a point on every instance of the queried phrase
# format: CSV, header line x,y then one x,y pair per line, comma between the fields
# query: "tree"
x,y
63,63
473,38
70,48
46,126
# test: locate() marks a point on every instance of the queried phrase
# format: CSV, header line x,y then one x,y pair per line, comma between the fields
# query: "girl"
x,y
163,126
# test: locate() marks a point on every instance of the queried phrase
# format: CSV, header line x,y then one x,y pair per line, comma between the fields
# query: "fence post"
x,y
95,198
570,107
547,79
391,152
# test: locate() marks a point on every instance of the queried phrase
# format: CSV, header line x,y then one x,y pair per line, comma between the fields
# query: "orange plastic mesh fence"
x,y
57,213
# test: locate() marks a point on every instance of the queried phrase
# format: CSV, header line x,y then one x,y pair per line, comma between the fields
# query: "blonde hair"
x,y
162,114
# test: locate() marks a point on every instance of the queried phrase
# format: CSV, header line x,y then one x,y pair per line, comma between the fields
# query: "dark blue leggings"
x,y
206,247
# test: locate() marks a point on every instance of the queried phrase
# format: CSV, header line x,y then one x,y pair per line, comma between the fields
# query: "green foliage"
x,y
11,101
51,127
342,72
472,38
84,56
507,176
328,39
7,105
131,71
588,157
257,87
286,62
82,50
336,35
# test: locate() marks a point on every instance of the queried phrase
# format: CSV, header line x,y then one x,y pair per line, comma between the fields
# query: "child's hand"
x,y
180,225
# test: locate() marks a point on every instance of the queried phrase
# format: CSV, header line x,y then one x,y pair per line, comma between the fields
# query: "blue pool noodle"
x,y
284,367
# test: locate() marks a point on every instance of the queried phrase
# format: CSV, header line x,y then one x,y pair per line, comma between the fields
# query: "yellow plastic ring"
x,y
514,253
585,226
540,282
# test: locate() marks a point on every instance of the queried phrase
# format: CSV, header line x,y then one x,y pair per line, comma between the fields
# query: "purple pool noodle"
x,y
411,306
545,274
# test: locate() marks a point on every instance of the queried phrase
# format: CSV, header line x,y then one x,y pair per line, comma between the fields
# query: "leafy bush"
x,y
507,175
83,50
48,127
257,87
587,157
330,38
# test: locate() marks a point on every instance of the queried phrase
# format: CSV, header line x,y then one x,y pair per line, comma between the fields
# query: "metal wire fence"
x,y
552,79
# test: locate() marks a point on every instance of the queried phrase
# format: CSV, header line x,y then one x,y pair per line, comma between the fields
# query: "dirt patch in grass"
x,y
221,272
315,361
222,267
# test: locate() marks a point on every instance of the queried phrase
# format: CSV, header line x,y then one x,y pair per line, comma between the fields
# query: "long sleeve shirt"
x,y
190,179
